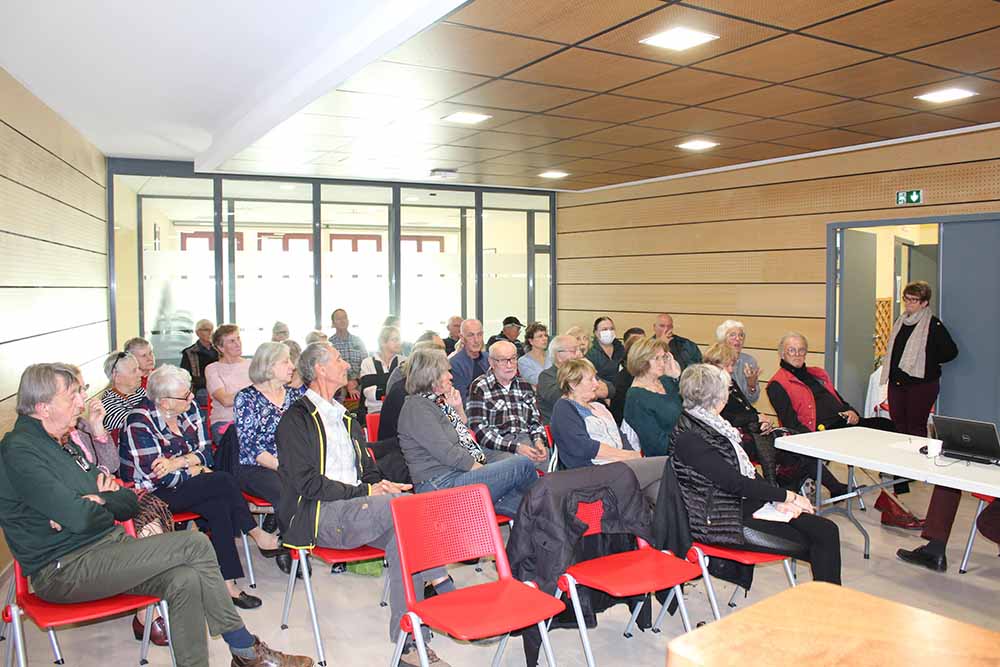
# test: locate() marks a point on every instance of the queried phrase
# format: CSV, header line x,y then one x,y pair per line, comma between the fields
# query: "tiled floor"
x,y
355,628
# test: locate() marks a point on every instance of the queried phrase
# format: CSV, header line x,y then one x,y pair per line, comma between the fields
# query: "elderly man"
x,y
333,494
563,348
454,333
351,348
502,410
469,362
140,348
58,514
685,351
196,357
510,332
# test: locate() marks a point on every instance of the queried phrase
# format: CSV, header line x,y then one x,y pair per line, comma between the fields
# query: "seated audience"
x,y
619,389
58,515
710,463
394,321
375,370
469,362
279,332
162,449
454,334
397,375
561,349
294,350
440,450
315,336
607,353
502,410
333,494
684,351
225,378
510,332
534,359
652,403
124,391
746,370
351,348
196,357
143,352
393,403
633,332
585,433
582,338
89,432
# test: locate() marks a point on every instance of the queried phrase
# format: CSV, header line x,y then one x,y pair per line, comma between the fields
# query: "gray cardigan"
x,y
429,442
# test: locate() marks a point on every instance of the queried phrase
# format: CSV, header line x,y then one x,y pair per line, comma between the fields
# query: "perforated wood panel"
x,y
883,325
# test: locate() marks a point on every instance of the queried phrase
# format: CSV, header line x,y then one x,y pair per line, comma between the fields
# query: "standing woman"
x,y
533,361
746,370
376,369
653,402
607,352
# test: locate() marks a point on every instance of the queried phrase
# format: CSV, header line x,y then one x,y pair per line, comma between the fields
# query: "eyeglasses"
x,y
121,355
178,398
796,352
508,361
80,461
912,299
84,388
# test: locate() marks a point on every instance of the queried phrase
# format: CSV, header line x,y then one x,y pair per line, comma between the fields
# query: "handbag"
x,y
154,516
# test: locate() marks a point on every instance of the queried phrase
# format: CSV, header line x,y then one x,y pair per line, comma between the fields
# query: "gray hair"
x,y
726,327
703,386
279,328
39,384
135,344
497,344
202,323
430,334
563,343
791,334
294,350
114,361
167,380
315,354
264,359
316,337
424,367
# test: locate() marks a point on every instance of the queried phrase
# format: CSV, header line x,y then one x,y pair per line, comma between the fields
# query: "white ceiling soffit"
x,y
195,80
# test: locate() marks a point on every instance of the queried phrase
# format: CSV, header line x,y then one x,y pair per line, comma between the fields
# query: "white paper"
x,y
771,513
909,445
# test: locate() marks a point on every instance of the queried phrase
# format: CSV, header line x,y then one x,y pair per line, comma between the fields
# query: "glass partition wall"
x,y
255,251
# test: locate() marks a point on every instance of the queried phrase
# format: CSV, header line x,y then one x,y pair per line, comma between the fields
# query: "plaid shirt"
x,y
352,349
146,438
495,412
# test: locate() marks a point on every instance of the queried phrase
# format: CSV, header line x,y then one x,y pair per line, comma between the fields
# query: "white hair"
x,y
726,327
167,380
704,386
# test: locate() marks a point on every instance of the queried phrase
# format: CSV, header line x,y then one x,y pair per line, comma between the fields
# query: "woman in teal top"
x,y
606,352
653,402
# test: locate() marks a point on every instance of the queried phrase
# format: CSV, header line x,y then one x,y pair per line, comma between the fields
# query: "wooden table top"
x,y
818,624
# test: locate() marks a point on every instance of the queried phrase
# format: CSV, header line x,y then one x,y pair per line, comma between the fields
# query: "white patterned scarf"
x,y
464,435
913,361
732,435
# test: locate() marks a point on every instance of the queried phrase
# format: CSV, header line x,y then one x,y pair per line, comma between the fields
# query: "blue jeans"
x,y
506,475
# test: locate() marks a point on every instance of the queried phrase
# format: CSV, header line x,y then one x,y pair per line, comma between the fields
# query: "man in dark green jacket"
x,y
58,514
685,351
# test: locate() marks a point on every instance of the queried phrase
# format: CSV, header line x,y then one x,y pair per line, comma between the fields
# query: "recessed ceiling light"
x,y
467,118
678,39
286,186
697,145
946,95
553,174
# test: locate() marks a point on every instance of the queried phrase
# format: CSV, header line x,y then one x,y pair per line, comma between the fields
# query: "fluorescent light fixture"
x,y
553,174
678,39
945,95
697,145
467,118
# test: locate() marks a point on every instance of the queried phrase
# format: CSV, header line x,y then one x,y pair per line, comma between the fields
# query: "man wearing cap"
x,y
511,330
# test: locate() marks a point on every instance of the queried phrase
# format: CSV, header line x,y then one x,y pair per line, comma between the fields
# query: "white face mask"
x,y
606,337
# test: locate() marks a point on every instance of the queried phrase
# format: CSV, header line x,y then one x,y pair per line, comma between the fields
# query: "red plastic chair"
x,y
371,425
48,615
554,458
984,500
330,557
700,553
258,507
640,572
452,525
184,517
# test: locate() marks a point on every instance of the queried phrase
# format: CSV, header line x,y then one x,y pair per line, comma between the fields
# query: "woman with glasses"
x,y
124,391
746,370
162,448
653,402
376,369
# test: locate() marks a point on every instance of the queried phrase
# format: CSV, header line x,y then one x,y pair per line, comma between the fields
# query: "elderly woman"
x,y
279,332
140,348
162,449
225,378
89,433
534,360
722,491
652,403
607,352
376,369
124,391
746,370
439,448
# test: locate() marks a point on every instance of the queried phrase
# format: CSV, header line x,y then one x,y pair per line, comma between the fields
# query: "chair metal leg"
x,y
246,552
682,607
632,619
289,590
968,545
732,598
663,611
307,581
788,572
580,622
146,629
550,658
8,602
418,636
54,641
384,602
553,460
498,656
165,613
400,644
17,643
709,588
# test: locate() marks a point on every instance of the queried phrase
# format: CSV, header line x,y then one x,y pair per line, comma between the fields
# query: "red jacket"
x,y
801,396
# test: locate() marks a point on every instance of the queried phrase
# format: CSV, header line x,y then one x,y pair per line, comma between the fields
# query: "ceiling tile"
x,y
825,139
501,141
519,96
732,34
898,26
873,78
361,105
552,126
411,130
494,168
577,148
436,114
590,70
630,135
529,159
690,86
457,47
642,155
613,108
564,21
702,161
968,54
695,119
984,111
845,113
764,130
914,124
648,171
774,100
785,14
320,124
463,154
383,78
594,165
759,151
984,89
770,60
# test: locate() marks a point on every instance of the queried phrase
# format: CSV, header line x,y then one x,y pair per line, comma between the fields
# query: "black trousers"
x,y
261,482
807,537
216,497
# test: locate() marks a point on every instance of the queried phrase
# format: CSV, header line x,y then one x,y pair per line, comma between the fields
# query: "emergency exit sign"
x,y
909,197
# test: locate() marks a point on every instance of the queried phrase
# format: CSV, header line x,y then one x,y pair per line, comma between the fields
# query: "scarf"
x,y
913,361
464,435
732,435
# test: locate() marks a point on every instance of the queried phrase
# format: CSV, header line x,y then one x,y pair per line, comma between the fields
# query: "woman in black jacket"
x,y
721,490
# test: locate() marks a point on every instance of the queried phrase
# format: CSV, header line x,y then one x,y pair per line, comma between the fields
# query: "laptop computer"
x,y
967,439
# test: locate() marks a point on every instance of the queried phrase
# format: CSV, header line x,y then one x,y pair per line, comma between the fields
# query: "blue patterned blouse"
x,y
256,420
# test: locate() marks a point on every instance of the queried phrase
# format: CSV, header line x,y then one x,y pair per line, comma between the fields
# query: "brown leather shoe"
x,y
895,515
157,633
268,657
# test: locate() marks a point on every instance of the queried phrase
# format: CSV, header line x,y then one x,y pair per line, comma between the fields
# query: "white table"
x,y
891,453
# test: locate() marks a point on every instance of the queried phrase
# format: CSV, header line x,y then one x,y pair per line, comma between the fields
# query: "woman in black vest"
x,y
722,491
376,369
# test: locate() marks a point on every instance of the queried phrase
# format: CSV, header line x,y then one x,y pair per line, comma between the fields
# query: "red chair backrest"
x,y
371,423
592,514
548,434
446,526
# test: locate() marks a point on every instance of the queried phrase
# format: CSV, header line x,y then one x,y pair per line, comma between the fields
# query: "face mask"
x,y
606,337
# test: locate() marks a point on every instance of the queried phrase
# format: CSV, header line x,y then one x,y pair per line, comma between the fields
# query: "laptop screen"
x,y
968,437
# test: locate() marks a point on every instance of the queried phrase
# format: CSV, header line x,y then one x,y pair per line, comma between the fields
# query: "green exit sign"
x,y
909,197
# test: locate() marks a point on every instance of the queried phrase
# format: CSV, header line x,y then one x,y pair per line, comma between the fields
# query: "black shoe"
x,y
429,591
270,523
247,601
338,568
272,553
920,556
284,562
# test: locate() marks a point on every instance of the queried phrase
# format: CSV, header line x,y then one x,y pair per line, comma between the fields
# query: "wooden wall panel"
x,y
32,263
29,213
78,346
39,311
722,300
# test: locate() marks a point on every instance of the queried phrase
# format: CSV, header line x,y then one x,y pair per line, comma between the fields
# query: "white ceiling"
x,y
195,80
